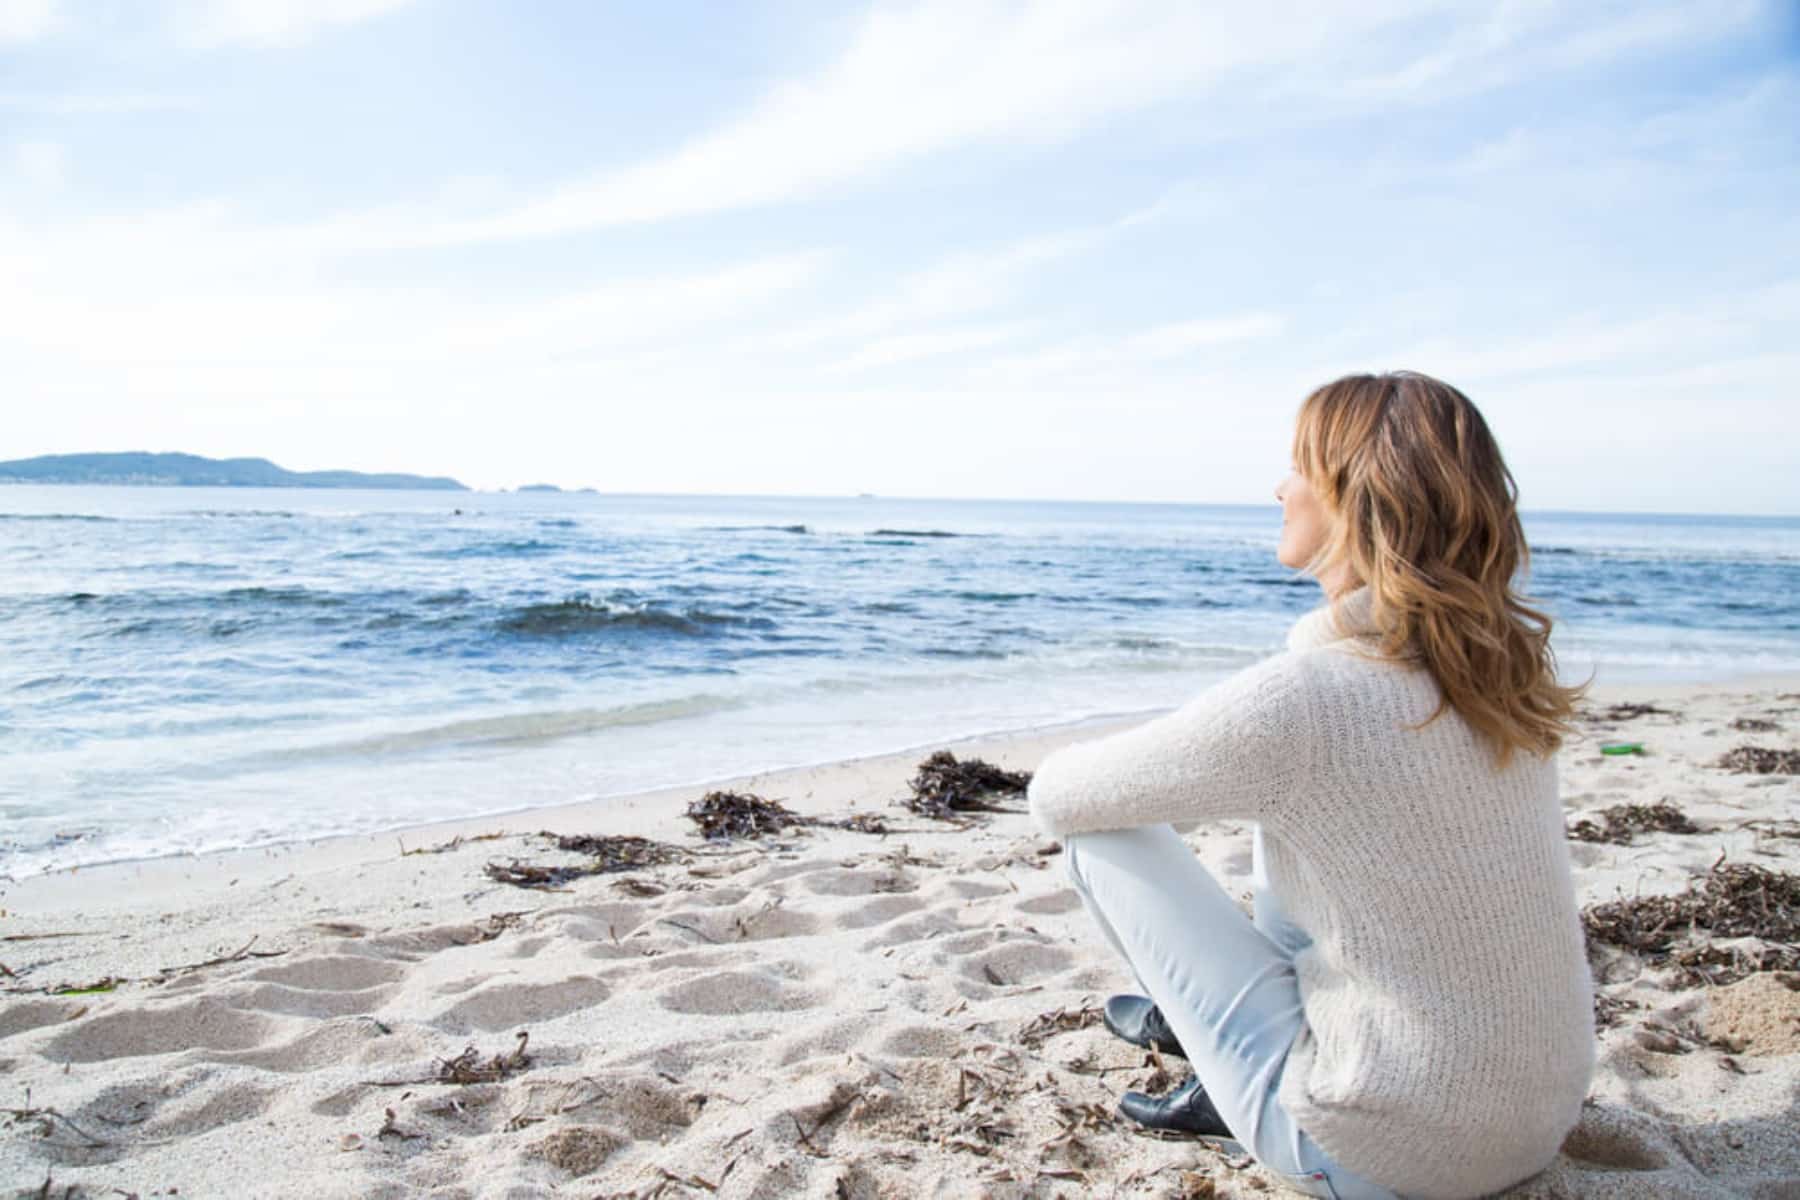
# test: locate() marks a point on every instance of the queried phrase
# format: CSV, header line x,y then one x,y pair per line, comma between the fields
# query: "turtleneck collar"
x,y
1347,618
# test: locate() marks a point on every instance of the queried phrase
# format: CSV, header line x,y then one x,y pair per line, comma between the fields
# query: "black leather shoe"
x,y
1187,1109
1140,1022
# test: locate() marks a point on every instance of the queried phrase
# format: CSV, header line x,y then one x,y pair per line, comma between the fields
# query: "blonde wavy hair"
x,y
1425,512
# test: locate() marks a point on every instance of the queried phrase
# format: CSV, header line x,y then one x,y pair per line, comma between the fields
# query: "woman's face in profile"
x,y
1304,521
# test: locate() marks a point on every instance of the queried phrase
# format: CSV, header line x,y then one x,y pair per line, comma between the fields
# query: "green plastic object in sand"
x,y
1621,747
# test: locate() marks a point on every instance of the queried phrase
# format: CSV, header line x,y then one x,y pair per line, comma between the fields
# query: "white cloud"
x,y
959,283
924,77
138,316
1505,43
26,20
1077,357
1695,333
40,165
910,347
64,104
209,24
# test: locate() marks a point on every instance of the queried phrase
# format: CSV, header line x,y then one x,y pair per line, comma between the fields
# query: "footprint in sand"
x,y
705,960
278,999
606,923
975,889
647,1108
858,881
1615,1140
1051,903
1016,963
505,1006
134,1032
332,973
879,911
937,922
756,921
35,1014
322,1045
330,986
923,1041
827,1042
729,992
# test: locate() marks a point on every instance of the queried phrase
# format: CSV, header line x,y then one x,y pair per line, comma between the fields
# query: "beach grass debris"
x,y
1773,827
1754,725
1627,712
163,975
946,786
1610,1010
1731,901
866,822
47,1122
470,1068
455,843
1046,1025
1620,822
1760,760
391,1128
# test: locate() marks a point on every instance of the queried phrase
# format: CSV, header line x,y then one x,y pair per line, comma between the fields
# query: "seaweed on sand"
x,y
1733,900
945,786
609,854
1760,760
1626,712
724,816
1621,821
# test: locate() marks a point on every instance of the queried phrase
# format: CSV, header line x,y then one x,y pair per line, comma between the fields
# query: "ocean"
x,y
193,669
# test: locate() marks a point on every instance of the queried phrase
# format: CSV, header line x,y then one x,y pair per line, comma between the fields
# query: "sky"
x,y
1062,250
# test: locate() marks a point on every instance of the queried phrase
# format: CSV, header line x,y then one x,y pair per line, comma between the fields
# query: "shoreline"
x,y
153,877
558,815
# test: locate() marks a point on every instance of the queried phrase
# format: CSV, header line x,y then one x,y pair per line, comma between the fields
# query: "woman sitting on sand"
x,y
1410,1012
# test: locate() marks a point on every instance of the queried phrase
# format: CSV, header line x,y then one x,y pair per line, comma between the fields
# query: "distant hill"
x,y
190,470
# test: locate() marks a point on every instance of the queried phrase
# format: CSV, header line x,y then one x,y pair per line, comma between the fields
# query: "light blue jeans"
x,y
1225,984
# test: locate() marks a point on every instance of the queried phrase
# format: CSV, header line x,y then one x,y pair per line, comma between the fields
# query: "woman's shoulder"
x,y
1353,675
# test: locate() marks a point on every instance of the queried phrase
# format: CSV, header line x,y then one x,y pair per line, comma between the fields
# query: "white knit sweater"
x,y
1446,988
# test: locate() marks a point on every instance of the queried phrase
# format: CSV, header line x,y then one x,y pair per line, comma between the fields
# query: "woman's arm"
x,y
1238,750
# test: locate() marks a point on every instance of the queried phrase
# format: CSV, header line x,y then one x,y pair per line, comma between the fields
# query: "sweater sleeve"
x,y
1238,750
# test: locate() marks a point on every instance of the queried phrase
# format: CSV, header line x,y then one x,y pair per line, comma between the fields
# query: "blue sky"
x,y
1071,250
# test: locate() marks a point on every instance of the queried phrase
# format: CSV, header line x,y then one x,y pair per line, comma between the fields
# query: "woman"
x,y
1410,1013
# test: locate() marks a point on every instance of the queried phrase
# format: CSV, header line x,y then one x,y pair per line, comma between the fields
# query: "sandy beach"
x,y
823,1011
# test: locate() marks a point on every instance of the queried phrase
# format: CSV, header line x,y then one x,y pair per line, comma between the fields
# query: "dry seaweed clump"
x,y
723,816
1760,760
1734,900
1621,821
608,854
945,786
1627,712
